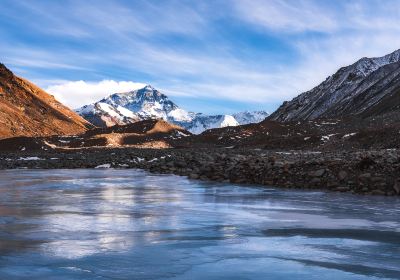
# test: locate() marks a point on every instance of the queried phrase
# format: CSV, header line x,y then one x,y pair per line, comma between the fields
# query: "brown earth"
x,y
27,110
349,133
156,134
317,135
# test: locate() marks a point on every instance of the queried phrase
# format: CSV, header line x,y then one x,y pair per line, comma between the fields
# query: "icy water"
x,y
128,224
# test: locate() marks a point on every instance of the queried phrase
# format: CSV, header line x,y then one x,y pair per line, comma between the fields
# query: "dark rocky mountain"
x,y
27,110
369,87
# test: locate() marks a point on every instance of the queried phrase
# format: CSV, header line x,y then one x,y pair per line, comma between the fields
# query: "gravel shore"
x,y
363,172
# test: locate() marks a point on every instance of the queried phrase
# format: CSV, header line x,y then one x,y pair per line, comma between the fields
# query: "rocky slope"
x,y
27,110
369,87
149,103
363,172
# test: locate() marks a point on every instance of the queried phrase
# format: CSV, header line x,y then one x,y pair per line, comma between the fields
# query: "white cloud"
x,y
205,62
286,15
77,93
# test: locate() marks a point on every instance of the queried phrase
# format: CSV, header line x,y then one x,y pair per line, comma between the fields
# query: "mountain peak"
x,y
5,72
367,65
149,103
27,110
149,87
354,89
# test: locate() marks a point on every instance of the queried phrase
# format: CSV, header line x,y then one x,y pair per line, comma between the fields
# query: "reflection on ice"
x,y
126,224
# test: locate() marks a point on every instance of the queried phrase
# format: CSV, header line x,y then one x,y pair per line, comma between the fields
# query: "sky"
x,y
211,56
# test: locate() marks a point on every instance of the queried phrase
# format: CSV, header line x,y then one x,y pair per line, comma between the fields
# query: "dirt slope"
x,y
27,110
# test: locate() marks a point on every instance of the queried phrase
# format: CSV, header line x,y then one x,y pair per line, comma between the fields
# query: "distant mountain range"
x,y
27,110
368,89
149,103
370,86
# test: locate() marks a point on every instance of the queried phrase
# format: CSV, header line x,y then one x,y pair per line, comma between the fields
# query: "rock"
x,y
318,173
365,163
396,187
378,192
194,176
315,181
332,184
365,176
342,175
342,189
377,179
180,164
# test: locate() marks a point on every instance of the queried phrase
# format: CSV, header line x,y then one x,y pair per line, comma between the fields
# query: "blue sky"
x,y
209,56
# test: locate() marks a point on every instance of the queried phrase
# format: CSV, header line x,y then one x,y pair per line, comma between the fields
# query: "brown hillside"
x,y
148,133
27,110
150,126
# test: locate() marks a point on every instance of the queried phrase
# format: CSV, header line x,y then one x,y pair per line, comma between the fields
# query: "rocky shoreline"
x,y
362,172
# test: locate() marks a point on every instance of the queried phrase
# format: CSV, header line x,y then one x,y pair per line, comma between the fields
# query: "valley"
x,y
343,135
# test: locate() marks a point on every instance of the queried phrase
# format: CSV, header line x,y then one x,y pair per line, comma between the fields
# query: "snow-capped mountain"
x,y
103,114
362,87
247,117
149,103
129,107
201,122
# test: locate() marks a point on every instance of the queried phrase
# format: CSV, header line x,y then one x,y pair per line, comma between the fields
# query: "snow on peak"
x,y
338,94
228,120
202,122
247,117
149,103
368,65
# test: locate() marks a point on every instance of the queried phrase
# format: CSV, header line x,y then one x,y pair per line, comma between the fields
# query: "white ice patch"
x,y
349,135
327,137
181,133
30,158
107,165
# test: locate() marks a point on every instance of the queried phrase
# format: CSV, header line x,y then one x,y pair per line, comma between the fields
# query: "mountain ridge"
x,y
27,110
346,92
149,103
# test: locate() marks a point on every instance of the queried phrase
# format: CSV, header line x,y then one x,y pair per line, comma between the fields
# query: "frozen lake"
x,y
128,224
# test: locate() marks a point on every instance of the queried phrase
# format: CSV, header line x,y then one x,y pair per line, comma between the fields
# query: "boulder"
x,y
396,187
342,175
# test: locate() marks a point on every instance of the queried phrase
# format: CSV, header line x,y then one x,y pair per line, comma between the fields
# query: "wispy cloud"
x,y
259,52
286,15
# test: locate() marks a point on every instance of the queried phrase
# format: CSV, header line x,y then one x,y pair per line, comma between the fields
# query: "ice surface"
x,y
127,224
